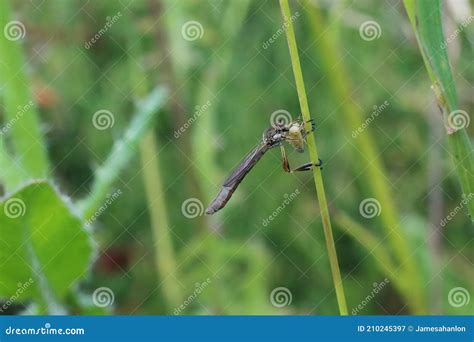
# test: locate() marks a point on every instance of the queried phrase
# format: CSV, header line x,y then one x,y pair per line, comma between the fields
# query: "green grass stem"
x,y
313,152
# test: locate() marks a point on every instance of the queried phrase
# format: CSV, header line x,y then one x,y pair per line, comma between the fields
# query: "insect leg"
x,y
304,167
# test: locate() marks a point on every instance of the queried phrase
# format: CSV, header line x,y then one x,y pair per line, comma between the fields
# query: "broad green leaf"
x,y
42,243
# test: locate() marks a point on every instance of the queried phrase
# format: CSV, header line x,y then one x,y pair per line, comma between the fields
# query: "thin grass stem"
x,y
313,152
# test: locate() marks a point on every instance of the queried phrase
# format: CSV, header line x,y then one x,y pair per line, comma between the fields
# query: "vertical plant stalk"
x,y
313,152
163,245
149,158
27,139
339,84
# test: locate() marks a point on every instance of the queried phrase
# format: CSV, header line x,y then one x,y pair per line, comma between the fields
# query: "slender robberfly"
x,y
294,133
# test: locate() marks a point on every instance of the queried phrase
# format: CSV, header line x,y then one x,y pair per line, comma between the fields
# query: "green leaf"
x,y
425,18
21,114
42,243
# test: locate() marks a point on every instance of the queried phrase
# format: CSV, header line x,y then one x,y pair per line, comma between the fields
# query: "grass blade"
x,y
313,152
425,18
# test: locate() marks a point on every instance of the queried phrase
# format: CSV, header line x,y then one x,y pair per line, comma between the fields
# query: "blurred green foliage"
x,y
245,83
